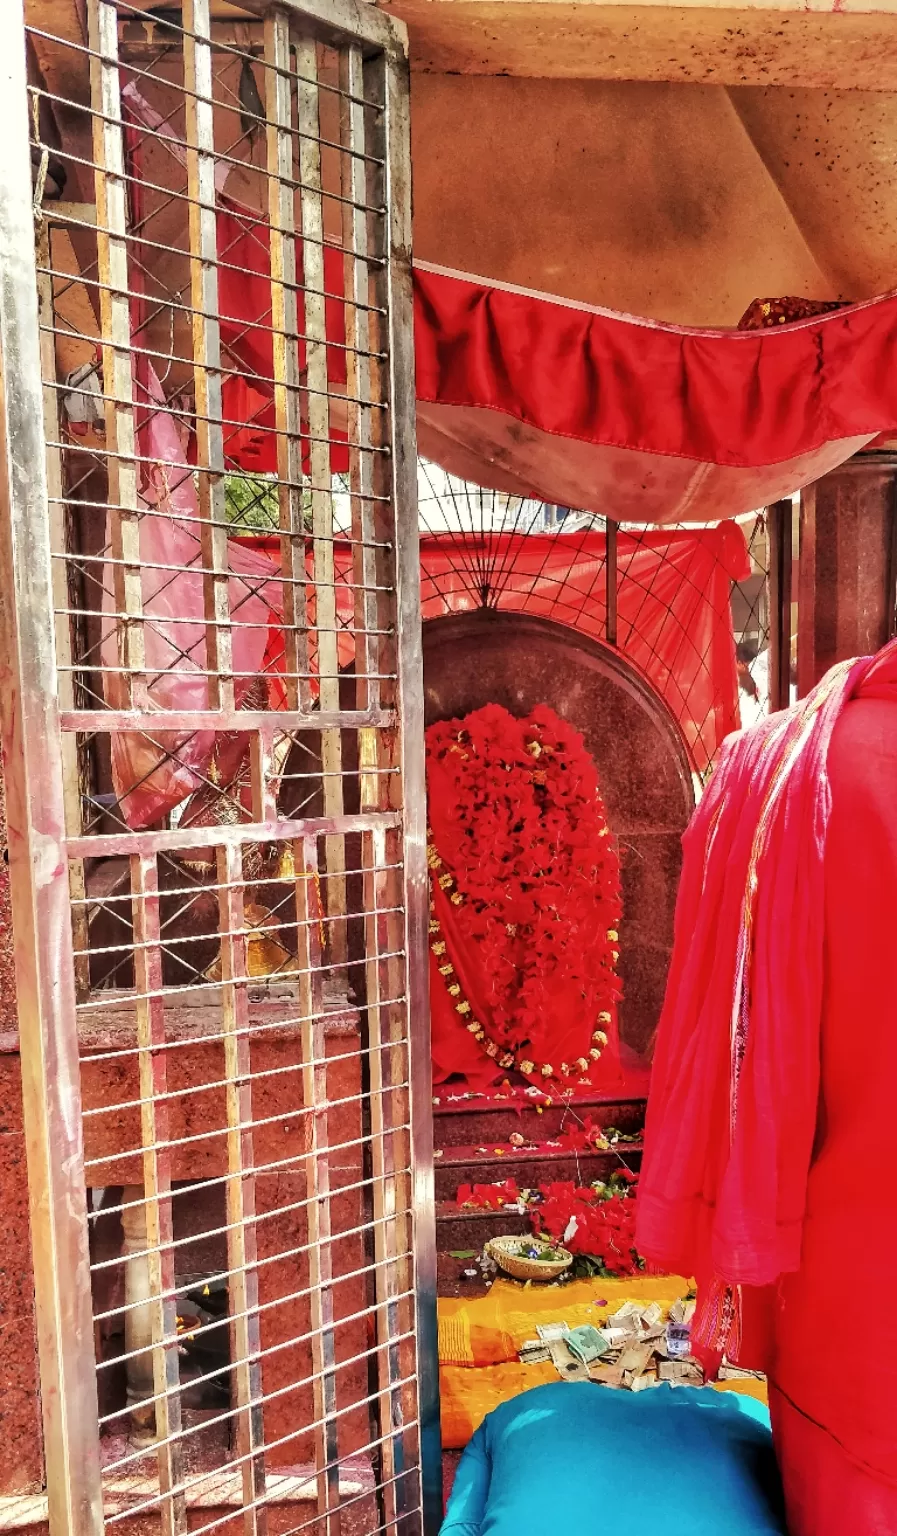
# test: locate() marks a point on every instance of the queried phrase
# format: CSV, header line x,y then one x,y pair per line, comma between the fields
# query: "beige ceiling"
x,y
676,161
833,157
847,44
646,198
682,202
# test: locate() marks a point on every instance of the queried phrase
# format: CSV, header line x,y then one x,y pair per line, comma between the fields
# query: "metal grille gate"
x,y
213,746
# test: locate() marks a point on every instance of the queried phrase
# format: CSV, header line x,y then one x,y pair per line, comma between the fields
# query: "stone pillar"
x,y
138,1317
848,564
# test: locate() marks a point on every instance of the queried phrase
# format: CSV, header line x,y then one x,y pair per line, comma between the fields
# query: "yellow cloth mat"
x,y
749,1387
467,1396
486,1330
479,1338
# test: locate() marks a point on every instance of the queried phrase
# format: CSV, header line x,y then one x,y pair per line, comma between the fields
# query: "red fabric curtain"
x,y
244,297
642,421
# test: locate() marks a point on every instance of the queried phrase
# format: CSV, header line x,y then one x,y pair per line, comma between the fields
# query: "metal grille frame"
x,y
366,864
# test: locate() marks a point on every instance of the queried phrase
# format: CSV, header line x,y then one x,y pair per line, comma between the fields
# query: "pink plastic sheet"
x,y
152,773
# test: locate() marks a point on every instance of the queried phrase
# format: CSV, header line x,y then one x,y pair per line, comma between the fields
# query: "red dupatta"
x,y
732,1112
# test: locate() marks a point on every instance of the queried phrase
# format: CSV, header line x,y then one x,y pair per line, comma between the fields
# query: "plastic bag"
x,y
152,772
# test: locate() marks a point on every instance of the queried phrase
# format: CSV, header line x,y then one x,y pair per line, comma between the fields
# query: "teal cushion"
x,y
574,1458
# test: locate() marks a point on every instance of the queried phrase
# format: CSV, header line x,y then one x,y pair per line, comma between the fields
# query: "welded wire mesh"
x,y
221,208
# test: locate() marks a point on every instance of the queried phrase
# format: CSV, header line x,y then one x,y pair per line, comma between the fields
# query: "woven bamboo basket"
x,y
505,1252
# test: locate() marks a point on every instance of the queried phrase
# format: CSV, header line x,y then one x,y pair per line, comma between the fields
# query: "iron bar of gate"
x,y
164,1408
279,1029
339,21
240,1187
610,579
311,204
268,724
115,297
317,1175
779,525
284,317
359,393
203,242
187,839
403,467
61,585
39,876
388,726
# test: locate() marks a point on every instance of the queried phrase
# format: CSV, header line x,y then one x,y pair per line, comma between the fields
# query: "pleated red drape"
x,y
643,421
578,406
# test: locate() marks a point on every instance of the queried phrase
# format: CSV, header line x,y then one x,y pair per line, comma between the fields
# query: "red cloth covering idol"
x,y
771,1135
525,904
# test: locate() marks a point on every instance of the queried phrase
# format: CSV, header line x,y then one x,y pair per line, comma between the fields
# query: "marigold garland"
x,y
534,881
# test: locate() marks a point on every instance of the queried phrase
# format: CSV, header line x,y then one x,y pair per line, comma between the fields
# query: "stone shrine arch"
x,y
481,657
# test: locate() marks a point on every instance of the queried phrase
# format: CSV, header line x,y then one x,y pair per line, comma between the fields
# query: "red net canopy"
x,y
673,616
480,361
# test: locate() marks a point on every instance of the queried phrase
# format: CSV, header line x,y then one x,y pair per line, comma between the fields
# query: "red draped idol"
x,y
771,1137
524,904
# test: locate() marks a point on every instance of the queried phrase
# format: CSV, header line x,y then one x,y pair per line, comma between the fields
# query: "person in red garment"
x,y
771,1140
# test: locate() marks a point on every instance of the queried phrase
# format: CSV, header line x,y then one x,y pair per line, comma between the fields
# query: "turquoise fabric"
x,y
575,1458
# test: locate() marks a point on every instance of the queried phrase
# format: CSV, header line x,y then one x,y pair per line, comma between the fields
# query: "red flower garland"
x,y
534,879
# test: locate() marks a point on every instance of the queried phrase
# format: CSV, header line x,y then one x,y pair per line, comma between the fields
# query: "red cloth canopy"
x,y
640,421
536,396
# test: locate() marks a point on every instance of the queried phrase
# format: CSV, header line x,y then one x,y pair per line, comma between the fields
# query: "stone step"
x,y
490,1163
481,1121
459,1230
291,1491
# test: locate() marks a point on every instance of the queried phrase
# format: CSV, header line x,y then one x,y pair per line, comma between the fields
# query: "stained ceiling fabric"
x,y
637,420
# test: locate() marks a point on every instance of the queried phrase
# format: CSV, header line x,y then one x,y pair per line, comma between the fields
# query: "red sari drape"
x,y
771,1136
838,1428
